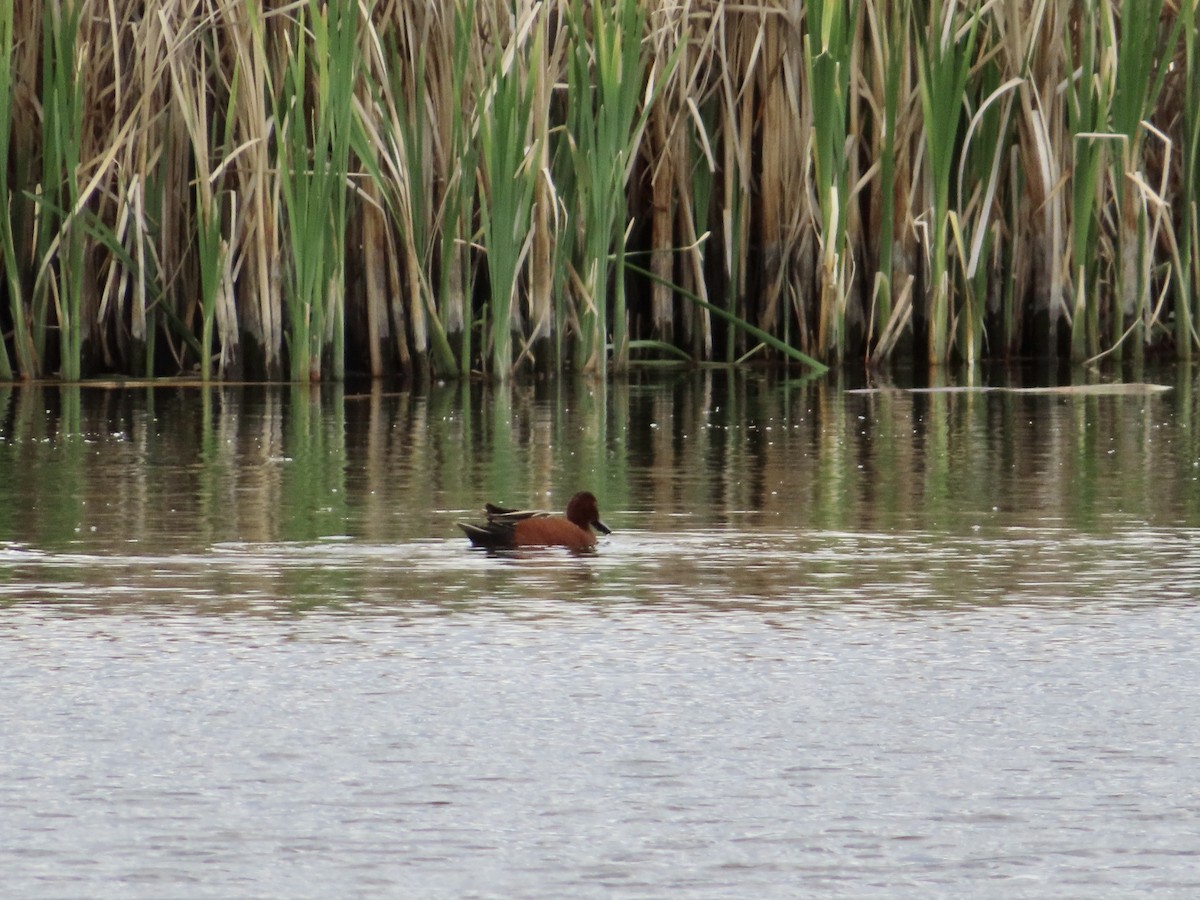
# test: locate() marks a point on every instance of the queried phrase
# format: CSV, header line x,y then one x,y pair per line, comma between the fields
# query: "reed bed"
x,y
310,190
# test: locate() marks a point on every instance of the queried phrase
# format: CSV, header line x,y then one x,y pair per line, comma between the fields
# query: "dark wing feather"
x,y
501,515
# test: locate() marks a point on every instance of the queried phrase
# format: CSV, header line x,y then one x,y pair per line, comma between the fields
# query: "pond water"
x,y
839,643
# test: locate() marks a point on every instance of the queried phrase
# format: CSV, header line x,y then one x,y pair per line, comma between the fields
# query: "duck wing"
x,y
499,515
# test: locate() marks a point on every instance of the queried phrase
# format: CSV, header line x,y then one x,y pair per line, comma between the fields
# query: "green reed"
x,y
315,144
736,45
740,324
828,47
60,244
1087,108
944,58
456,283
889,29
1187,298
22,338
696,206
1140,52
566,252
982,157
605,78
212,250
507,157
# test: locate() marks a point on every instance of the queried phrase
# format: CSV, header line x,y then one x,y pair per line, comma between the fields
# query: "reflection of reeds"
x,y
207,464
262,188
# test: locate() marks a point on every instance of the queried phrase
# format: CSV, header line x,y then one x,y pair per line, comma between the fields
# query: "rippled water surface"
x,y
838,645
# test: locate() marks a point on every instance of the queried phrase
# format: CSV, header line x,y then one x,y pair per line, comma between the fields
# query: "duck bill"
x,y
601,527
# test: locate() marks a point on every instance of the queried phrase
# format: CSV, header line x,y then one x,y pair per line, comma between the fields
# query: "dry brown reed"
x,y
796,173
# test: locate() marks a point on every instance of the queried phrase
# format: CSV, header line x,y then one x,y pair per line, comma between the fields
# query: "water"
x,y
839,644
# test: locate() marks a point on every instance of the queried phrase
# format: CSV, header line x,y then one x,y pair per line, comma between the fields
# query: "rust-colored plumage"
x,y
506,529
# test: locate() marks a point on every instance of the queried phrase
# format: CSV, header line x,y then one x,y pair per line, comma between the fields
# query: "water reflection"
x,y
722,487
187,467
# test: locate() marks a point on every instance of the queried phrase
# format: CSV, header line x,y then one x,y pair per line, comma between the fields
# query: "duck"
x,y
507,529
